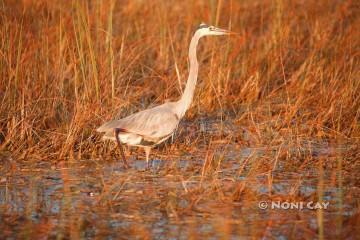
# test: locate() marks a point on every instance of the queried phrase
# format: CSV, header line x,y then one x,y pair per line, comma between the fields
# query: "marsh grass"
x,y
286,86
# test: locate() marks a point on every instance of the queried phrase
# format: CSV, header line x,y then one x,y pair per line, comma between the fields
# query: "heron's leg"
x,y
116,132
147,153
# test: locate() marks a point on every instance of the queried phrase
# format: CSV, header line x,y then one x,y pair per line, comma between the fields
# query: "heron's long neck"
x,y
186,99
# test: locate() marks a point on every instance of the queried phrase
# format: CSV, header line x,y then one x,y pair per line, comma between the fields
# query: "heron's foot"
x,y
149,165
125,163
127,166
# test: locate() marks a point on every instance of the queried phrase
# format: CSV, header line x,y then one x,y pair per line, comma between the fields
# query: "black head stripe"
x,y
203,25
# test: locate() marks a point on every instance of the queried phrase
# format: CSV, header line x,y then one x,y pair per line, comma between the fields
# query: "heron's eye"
x,y
211,28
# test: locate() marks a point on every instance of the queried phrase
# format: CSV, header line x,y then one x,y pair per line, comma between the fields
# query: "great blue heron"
x,y
153,126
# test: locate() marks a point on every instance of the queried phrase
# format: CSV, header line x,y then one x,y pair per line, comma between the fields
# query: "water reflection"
x,y
186,196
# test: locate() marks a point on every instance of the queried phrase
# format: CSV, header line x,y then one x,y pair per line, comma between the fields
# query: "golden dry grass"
x,y
66,66
289,83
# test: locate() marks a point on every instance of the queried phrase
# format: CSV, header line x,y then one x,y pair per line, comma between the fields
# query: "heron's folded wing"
x,y
152,123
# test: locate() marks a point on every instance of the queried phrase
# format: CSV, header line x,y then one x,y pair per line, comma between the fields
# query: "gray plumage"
x,y
153,126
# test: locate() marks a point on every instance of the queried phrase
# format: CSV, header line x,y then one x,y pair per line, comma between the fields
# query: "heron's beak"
x,y
224,31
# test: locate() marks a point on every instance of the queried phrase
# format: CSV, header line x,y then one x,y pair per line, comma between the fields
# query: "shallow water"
x,y
203,194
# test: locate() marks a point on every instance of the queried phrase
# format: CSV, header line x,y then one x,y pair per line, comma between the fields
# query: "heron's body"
x,y
146,128
153,126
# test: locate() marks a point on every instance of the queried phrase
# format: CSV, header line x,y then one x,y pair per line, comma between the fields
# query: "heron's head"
x,y
205,30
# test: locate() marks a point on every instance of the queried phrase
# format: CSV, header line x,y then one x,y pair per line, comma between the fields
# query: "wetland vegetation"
x,y
275,118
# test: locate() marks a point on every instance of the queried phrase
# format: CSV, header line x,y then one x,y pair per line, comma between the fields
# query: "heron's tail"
x,y
109,126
